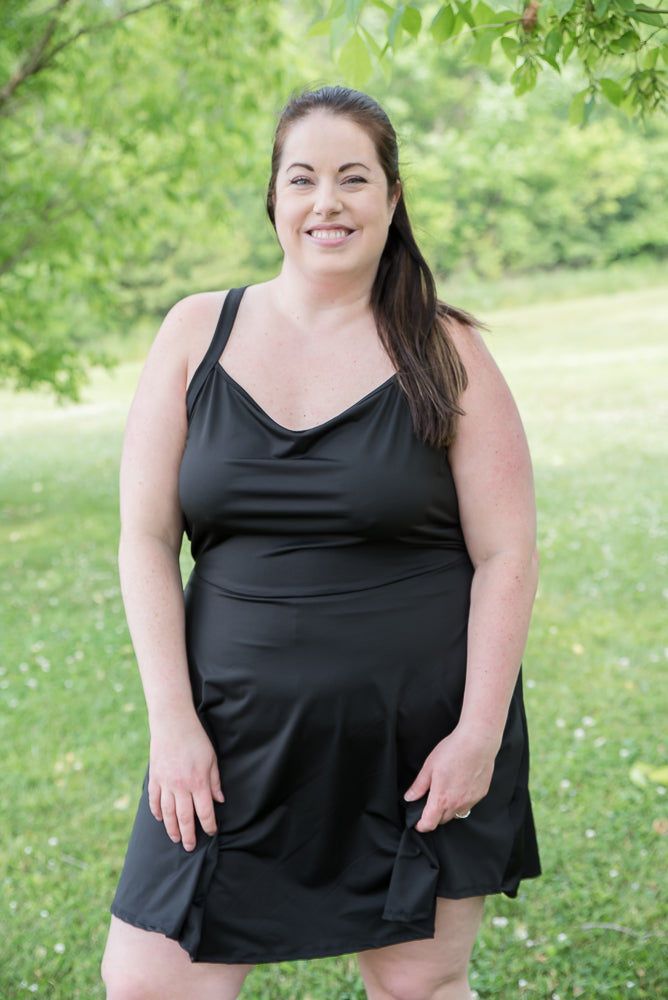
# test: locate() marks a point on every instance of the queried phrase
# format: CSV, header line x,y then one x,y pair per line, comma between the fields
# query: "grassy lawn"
x,y
590,375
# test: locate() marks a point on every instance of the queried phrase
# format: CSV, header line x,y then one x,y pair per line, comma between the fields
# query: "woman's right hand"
x,y
183,780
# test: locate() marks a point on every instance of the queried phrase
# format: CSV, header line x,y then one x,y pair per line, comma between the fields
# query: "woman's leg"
x,y
435,969
141,965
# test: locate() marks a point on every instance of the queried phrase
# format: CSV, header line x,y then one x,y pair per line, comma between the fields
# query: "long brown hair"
x,y
412,322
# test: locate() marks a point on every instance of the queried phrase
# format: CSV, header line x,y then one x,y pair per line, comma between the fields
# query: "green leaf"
x,y
639,774
355,61
483,15
577,108
340,28
353,8
465,8
562,7
612,91
628,42
553,42
590,104
569,45
601,8
525,76
510,48
481,50
647,17
385,7
320,28
372,43
412,21
394,27
336,10
651,59
642,773
443,24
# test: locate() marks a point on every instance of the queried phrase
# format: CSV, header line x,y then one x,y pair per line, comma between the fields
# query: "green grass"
x,y
590,375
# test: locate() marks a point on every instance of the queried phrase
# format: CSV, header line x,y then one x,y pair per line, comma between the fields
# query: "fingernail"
x,y
410,795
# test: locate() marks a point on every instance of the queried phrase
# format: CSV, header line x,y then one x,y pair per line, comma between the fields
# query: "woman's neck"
x,y
334,299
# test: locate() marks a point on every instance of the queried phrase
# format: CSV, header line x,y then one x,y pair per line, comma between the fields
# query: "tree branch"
x,y
39,58
31,63
92,29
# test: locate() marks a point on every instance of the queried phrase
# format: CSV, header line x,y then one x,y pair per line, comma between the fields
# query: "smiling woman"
x,y
321,202
338,755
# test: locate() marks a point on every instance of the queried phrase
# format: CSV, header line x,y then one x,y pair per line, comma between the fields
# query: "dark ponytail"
x,y
412,323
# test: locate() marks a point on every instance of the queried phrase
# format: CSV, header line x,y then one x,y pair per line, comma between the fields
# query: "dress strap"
x,y
220,337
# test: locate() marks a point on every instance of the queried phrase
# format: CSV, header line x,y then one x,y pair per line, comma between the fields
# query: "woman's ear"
x,y
394,198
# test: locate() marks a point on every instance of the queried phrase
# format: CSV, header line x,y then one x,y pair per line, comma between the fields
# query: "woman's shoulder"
x,y
187,329
465,333
193,316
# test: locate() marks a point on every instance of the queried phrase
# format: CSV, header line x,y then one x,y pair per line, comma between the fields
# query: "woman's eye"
x,y
300,181
355,180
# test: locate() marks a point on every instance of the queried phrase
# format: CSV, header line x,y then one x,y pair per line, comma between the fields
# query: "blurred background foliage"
x,y
135,144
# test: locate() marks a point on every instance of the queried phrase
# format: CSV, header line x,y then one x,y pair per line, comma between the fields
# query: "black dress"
x,y
326,622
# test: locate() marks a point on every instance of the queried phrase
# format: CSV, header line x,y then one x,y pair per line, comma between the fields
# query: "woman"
x,y
338,757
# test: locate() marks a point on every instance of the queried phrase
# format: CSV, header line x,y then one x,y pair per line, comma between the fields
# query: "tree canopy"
x,y
134,139
621,46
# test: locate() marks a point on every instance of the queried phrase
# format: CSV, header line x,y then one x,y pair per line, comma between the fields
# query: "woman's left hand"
x,y
457,774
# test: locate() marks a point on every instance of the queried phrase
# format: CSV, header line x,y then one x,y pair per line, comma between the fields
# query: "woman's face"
x,y
332,206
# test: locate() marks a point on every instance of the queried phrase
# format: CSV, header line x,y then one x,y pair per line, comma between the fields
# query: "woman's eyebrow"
x,y
346,166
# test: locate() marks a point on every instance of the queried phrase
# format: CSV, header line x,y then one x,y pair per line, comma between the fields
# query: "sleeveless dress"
x,y
326,621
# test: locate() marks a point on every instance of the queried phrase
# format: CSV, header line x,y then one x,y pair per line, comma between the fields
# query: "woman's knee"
x,y
144,965
411,983
124,984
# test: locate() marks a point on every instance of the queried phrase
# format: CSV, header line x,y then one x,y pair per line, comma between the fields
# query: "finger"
x,y
216,790
432,814
168,813
186,822
154,799
205,813
420,786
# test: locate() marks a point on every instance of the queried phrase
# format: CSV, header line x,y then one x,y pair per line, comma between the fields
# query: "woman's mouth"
x,y
329,235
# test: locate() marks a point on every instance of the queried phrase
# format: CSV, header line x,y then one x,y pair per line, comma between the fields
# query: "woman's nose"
x,y
327,199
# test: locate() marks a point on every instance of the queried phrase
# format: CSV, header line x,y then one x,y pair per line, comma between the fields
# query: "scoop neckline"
x,y
316,427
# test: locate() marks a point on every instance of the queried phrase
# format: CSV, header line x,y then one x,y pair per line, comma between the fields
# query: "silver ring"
x,y
463,816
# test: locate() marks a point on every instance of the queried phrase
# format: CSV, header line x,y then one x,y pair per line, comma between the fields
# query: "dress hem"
x,y
333,951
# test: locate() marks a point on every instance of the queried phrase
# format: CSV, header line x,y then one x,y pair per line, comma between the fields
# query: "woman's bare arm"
x,y
183,771
492,471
